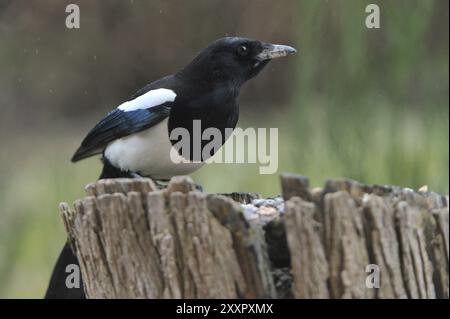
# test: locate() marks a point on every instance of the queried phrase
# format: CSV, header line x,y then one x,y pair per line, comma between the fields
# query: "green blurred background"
x,y
368,104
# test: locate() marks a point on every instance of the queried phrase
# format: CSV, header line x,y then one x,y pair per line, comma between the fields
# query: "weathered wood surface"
x,y
134,240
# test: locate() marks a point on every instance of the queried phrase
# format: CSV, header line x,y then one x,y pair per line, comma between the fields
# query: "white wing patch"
x,y
149,99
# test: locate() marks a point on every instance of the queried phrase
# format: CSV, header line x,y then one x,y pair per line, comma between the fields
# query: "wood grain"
x,y
134,240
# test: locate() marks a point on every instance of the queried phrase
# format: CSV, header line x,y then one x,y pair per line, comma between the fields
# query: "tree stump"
x,y
134,240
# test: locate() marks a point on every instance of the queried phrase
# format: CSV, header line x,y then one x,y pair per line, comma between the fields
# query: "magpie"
x,y
133,139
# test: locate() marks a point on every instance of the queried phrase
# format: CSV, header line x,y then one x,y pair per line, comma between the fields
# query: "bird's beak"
x,y
272,51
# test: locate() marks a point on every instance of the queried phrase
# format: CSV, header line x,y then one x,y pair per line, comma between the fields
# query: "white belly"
x,y
148,153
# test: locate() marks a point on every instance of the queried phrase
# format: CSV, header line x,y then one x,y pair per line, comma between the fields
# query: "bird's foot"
x,y
162,183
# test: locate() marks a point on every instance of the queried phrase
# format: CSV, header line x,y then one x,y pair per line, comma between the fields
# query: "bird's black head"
x,y
233,59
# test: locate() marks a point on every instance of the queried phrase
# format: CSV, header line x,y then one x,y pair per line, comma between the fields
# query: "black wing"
x,y
118,124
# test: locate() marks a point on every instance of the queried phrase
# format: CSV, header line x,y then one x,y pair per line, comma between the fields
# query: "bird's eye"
x,y
243,50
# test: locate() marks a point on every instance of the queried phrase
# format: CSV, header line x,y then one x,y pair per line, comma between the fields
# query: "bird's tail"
x,y
58,288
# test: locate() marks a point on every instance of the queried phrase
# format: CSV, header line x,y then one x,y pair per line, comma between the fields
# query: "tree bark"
x,y
134,240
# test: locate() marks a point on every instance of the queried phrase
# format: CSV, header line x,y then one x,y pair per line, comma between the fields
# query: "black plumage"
x,y
207,89
134,137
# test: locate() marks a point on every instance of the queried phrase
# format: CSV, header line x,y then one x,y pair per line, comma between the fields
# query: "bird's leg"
x,y
161,183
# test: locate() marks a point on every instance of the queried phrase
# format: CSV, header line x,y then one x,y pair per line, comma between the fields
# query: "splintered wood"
x,y
135,241
346,240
